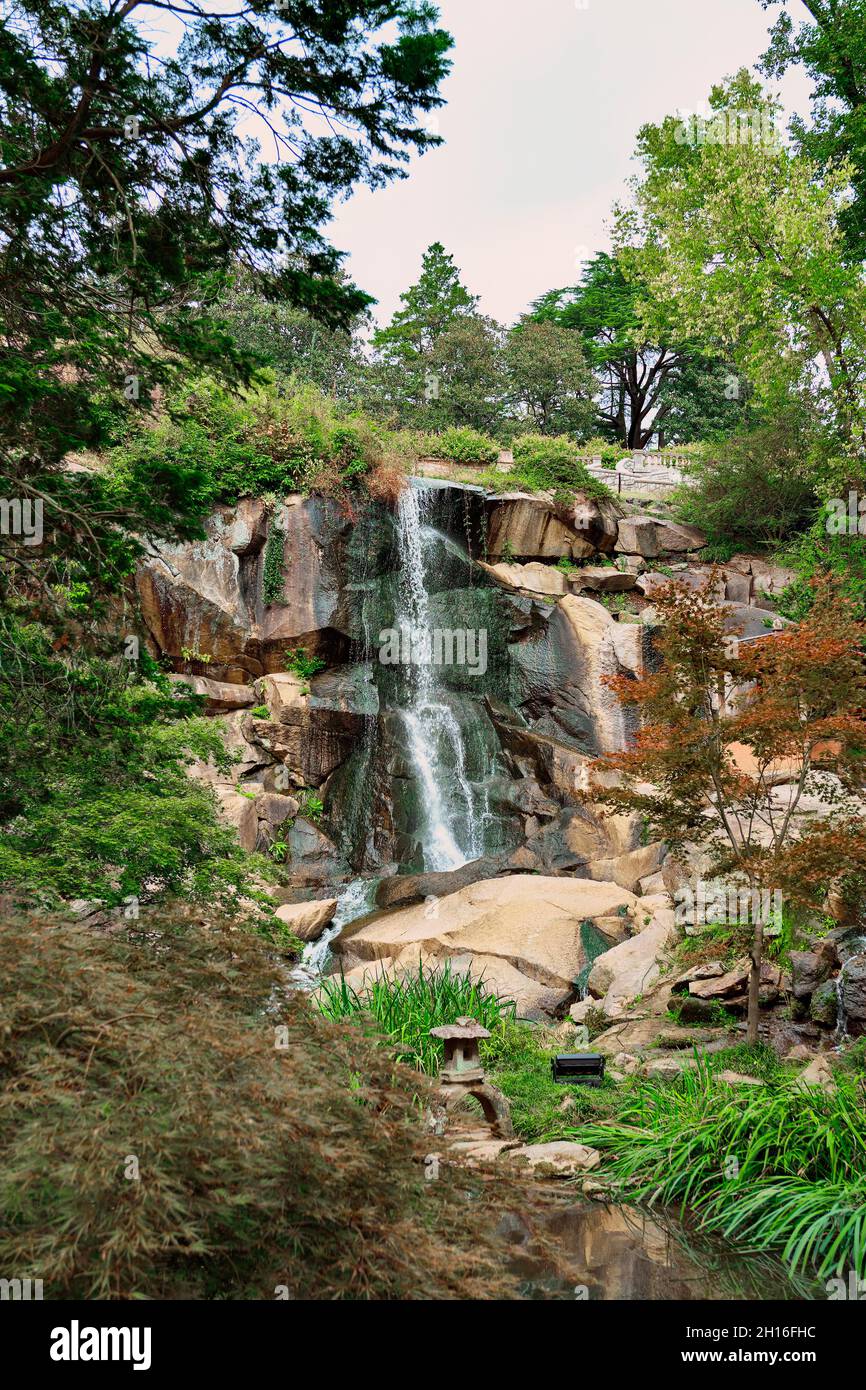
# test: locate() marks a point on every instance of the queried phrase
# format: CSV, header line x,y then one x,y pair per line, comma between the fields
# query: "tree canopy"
x,y
136,174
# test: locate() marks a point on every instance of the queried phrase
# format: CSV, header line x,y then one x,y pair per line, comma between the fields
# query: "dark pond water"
x,y
562,1249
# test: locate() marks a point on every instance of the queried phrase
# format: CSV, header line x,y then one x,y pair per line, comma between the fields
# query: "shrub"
x,y
815,553
298,662
610,454
754,490
550,463
462,444
175,1126
272,570
261,441
94,796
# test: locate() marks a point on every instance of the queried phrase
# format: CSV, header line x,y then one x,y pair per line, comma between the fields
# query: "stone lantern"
x,y
462,1074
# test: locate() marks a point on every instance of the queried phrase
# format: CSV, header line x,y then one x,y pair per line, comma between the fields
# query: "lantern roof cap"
x,y
462,1028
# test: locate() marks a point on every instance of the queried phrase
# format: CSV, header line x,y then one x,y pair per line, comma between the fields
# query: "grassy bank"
x,y
775,1167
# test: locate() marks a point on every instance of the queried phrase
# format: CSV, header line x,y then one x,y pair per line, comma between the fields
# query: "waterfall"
x,y
451,827
356,900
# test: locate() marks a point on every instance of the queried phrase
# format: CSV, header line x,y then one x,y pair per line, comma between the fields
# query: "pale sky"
x,y
545,99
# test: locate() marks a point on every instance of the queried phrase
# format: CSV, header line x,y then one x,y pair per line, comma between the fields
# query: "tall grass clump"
x,y
781,1167
173,1126
405,1008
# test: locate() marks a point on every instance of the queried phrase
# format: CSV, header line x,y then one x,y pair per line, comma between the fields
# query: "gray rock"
x,y
809,969
824,1008
854,992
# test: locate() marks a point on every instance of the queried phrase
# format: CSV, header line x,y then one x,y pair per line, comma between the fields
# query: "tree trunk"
x,y
755,980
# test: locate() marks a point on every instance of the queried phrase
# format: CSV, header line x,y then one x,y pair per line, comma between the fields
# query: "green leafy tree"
x,y
407,377
632,369
295,343
740,242
550,383
467,374
706,399
429,307
832,48
129,192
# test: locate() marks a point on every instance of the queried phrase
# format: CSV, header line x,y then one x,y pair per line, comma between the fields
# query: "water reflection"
x,y
560,1248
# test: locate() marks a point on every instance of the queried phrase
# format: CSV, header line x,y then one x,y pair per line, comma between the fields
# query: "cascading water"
x,y
355,901
452,826
416,791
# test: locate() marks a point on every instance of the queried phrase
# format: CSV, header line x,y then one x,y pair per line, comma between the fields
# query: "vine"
x,y
272,576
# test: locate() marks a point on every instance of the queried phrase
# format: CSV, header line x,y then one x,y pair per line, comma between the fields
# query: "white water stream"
x,y
451,825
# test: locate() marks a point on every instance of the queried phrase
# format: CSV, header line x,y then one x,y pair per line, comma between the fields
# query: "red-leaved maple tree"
x,y
733,734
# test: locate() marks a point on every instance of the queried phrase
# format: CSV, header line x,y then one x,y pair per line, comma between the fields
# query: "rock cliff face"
x,y
203,602
528,721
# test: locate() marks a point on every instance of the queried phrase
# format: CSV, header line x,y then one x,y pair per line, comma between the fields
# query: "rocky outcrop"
x,y
522,935
631,968
853,995
534,578
650,537
202,602
528,527
220,697
602,579
307,921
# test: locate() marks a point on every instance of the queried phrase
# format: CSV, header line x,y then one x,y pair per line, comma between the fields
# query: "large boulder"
x,y
238,810
529,528
307,921
534,578
521,934
650,537
602,579
561,672
313,859
560,1159
853,994
631,968
765,581
401,890
594,518
809,969
628,869
221,697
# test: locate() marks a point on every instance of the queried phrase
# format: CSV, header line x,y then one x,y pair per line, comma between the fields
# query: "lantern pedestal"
x,y
462,1075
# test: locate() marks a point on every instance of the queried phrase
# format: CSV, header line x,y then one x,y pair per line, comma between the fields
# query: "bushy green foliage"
x,y
261,442
462,444
174,1125
94,797
549,462
405,1009
597,447
298,661
815,553
779,1167
755,489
